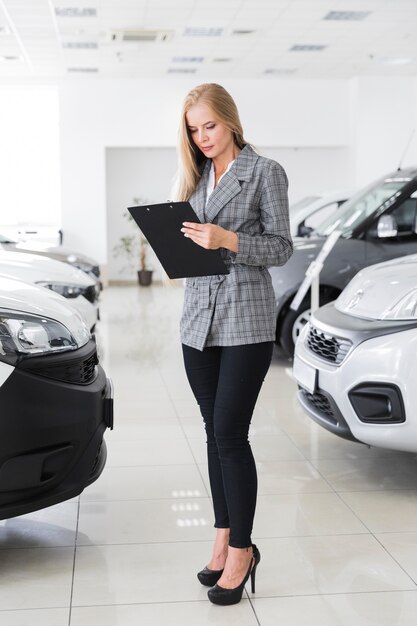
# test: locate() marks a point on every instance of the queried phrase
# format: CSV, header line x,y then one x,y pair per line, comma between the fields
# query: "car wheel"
x,y
294,322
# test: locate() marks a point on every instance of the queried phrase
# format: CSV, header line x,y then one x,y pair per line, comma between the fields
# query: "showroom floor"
x,y
336,522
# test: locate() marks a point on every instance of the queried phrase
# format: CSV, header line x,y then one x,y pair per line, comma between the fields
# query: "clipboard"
x,y
179,256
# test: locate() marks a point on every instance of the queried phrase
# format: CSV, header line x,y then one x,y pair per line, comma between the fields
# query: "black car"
x,y
55,400
378,223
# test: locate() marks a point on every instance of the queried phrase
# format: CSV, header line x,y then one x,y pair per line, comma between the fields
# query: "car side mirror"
x,y
304,231
386,227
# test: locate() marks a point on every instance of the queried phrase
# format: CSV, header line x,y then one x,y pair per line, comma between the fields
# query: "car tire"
x,y
294,322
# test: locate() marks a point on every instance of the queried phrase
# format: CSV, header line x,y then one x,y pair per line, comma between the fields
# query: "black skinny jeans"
x,y
226,382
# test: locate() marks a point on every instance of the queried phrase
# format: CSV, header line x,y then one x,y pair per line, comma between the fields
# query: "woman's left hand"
x,y
209,236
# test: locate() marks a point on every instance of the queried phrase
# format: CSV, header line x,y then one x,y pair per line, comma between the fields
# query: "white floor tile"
x,y
38,617
281,477
130,574
394,608
143,521
147,482
323,565
174,451
369,474
171,613
385,511
304,514
35,578
403,548
51,527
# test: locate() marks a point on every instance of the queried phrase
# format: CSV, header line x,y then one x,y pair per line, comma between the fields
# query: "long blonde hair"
x,y
191,159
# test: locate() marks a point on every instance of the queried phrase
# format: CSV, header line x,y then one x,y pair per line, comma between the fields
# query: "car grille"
x,y
77,372
326,346
322,404
91,294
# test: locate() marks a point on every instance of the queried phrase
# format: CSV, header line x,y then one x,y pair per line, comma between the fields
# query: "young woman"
x,y
228,321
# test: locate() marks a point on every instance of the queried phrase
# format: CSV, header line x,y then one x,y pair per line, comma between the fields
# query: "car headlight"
x,y
25,334
68,291
404,309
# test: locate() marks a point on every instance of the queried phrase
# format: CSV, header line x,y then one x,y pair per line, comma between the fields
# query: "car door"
x,y
404,242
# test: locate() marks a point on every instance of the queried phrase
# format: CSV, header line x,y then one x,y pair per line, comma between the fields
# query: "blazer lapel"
x,y
229,185
228,188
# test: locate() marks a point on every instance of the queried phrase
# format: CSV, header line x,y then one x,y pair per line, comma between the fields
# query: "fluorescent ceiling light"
x,y
203,32
280,71
182,70
75,11
347,15
188,59
80,45
395,60
307,48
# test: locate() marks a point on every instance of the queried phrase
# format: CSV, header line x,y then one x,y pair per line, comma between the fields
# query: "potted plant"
x,y
134,247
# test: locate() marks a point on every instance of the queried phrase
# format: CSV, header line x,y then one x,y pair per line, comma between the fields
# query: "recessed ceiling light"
x,y
80,45
307,48
188,59
347,15
203,32
75,11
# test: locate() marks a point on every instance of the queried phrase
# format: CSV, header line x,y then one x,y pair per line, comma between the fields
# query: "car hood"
x,y
383,291
308,244
35,268
20,296
58,252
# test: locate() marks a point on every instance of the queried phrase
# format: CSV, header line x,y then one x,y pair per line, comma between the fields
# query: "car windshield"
x,y
4,239
301,204
360,206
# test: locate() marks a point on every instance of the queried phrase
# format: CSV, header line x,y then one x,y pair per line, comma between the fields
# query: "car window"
x,y
315,219
406,216
360,206
297,207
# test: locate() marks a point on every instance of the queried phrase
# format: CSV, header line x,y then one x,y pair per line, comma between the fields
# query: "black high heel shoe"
x,y
209,577
219,595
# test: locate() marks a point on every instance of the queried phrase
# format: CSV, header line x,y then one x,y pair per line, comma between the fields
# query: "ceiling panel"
x,y
353,47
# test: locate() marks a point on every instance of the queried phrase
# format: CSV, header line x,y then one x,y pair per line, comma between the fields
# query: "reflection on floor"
x,y
336,522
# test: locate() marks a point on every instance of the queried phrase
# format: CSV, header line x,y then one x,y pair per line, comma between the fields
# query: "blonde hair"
x,y
191,159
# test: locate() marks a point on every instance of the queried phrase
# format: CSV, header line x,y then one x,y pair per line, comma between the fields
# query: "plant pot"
x,y
145,277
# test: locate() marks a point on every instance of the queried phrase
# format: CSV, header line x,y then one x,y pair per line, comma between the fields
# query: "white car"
x,y
56,401
308,213
355,361
81,290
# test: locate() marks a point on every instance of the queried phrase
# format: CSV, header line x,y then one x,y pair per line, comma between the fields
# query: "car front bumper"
x,y
371,394
51,444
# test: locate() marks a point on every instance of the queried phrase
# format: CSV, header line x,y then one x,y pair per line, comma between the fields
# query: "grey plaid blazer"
x,y
239,308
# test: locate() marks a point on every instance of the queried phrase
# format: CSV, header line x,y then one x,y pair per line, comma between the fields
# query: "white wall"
x,y
385,114
358,126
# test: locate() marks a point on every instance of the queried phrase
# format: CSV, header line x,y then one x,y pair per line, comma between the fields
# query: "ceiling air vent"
x,y
347,15
139,35
75,11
